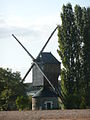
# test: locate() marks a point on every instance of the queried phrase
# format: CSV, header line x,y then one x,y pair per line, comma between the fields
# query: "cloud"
x,y
2,21
27,28
7,31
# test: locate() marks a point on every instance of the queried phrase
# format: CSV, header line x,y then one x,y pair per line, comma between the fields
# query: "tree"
x,y
66,39
74,52
11,88
86,53
21,102
82,18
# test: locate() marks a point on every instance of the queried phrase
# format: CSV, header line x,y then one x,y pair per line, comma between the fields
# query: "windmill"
x,y
42,77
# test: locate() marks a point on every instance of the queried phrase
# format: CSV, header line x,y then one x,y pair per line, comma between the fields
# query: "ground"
x,y
46,115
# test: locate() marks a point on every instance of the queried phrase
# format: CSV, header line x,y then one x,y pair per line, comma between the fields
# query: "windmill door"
x,y
48,105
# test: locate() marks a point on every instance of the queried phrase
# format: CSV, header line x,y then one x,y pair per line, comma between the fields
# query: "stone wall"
x,y
39,103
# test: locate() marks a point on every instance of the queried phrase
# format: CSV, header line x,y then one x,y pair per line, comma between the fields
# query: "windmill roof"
x,y
45,92
47,57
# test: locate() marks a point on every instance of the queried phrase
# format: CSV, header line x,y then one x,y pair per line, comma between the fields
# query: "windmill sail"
x,y
34,60
30,53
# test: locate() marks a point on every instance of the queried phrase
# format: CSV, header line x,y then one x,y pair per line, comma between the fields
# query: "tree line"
x,y
74,51
13,94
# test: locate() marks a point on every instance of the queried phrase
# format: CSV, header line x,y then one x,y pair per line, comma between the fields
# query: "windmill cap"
x,y
47,57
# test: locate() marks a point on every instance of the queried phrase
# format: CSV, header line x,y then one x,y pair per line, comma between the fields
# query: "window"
x,y
48,105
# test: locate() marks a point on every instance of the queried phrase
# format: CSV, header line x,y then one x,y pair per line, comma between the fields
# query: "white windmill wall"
x,y
37,77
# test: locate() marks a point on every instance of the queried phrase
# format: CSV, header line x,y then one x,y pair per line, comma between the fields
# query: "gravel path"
x,y
46,115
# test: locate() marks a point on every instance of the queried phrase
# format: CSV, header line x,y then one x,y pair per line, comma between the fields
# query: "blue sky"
x,y
32,21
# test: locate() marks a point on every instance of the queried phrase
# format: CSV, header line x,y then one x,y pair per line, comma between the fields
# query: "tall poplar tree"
x,y
67,52
86,53
82,18
74,50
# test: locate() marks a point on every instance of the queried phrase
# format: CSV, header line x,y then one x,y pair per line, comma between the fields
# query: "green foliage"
x,y
30,102
74,51
23,102
11,89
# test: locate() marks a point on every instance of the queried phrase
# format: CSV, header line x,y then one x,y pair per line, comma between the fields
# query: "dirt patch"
x,y
46,115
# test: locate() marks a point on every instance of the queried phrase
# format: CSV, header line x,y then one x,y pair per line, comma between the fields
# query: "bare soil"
x,y
46,115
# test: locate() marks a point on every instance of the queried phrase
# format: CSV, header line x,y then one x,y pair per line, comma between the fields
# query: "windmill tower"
x,y
46,97
45,73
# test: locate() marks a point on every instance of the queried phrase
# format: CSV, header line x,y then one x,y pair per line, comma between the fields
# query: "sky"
x,y
32,22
